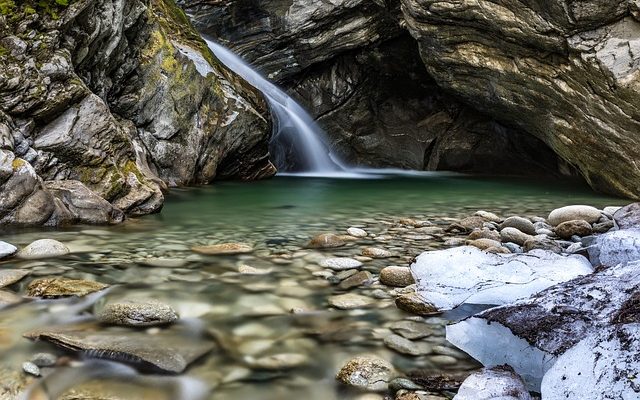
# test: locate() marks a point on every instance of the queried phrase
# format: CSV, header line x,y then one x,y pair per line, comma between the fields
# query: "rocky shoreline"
x,y
551,306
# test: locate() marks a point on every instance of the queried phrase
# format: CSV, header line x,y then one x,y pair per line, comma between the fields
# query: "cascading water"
x,y
298,143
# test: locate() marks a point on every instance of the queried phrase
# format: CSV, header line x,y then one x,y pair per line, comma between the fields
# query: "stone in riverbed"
x,y
521,224
484,244
484,233
340,263
615,247
542,243
412,304
278,361
571,213
43,248
30,368
44,359
570,228
8,298
350,301
62,287
326,241
137,313
10,276
489,216
223,249
500,382
396,276
357,279
514,235
170,350
467,224
406,346
249,270
628,217
447,278
7,250
357,232
375,252
412,329
367,372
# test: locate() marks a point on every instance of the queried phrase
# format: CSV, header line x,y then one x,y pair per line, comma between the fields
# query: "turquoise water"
x,y
249,316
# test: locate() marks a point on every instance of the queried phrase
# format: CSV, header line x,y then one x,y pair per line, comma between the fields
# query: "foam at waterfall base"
x,y
494,344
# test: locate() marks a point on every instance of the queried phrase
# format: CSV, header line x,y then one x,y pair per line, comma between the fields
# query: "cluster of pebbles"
x,y
280,301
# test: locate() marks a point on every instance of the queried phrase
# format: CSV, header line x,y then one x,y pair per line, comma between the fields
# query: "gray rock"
x,y
514,235
8,298
412,329
500,382
616,247
169,350
137,313
628,217
340,263
542,243
375,252
514,248
357,232
10,276
358,279
7,250
367,372
30,368
43,248
44,359
572,213
406,346
568,229
278,362
521,224
350,301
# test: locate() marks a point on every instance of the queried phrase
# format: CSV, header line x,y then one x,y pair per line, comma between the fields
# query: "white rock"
x,y
611,210
448,278
340,263
616,247
530,334
604,365
496,383
571,213
357,232
43,248
7,250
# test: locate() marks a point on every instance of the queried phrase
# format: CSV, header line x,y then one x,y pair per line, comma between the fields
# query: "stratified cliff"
x,y
104,103
504,86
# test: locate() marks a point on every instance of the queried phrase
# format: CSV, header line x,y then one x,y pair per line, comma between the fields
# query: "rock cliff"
x,y
105,103
538,85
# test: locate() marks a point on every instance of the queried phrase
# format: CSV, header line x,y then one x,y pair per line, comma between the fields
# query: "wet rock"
x,y
7,250
435,381
406,346
403,383
542,243
467,224
513,248
521,224
357,279
484,244
8,298
30,368
367,372
350,301
615,247
375,252
602,365
489,216
169,350
340,263
278,361
413,304
484,233
396,276
529,335
137,313
603,227
84,205
62,287
326,241
568,229
43,248
514,235
499,382
628,217
357,232
223,249
411,329
572,213
44,359
448,278
10,276
249,270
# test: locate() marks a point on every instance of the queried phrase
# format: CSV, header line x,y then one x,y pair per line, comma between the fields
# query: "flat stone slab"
x,y
10,276
449,278
169,350
50,288
7,250
223,249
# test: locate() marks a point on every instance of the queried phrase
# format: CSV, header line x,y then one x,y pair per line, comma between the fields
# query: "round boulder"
x,y
521,224
326,241
396,276
514,235
137,313
367,372
43,248
578,227
572,213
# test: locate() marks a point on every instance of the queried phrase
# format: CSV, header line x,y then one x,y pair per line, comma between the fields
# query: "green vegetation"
x,y
29,7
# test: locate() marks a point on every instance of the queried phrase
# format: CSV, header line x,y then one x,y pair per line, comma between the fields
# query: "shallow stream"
x,y
249,317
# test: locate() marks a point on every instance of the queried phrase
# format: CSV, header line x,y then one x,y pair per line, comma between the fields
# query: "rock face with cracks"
x,y
97,118
448,278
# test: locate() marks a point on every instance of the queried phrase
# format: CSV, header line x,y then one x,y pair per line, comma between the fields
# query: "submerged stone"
x,y
223,249
340,263
396,276
326,241
43,248
7,250
62,287
10,276
350,301
137,313
367,372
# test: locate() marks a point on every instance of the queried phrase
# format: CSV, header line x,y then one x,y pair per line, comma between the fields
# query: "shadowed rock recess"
x,y
533,86
105,103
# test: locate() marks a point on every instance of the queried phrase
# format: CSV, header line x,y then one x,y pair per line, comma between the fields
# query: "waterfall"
x,y
298,143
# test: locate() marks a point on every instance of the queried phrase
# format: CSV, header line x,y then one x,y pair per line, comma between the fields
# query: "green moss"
x,y
7,7
3,51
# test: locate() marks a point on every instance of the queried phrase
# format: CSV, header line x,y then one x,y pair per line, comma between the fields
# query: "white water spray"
x,y
298,144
